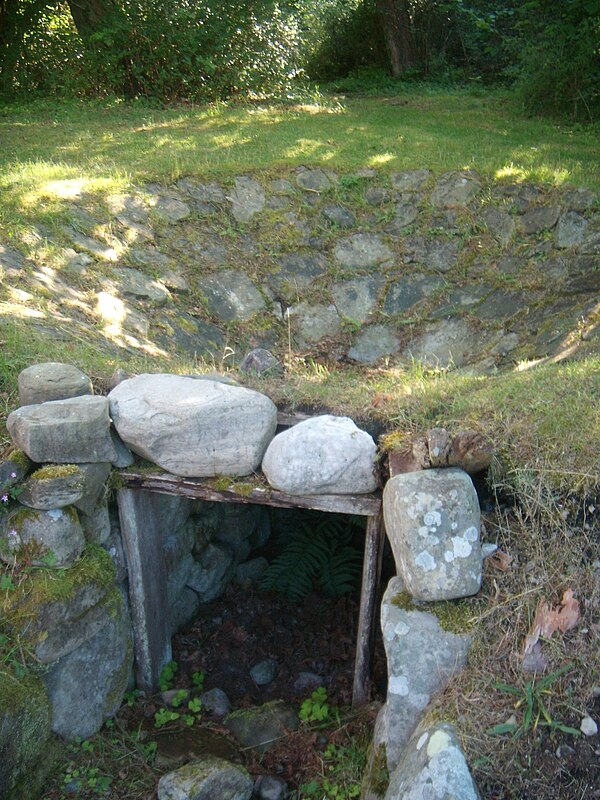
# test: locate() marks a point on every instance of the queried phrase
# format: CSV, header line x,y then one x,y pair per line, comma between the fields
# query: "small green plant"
x,y
531,700
189,716
315,708
179,698
132,697
167,676
83,779
198,680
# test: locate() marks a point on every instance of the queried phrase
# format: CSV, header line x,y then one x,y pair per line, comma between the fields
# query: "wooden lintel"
x,y
366,505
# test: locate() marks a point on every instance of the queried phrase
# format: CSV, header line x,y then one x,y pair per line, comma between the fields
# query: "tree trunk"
x,y
89,15
398,35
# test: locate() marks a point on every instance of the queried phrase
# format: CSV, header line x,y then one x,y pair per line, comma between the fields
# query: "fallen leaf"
x,y
500,560
548,620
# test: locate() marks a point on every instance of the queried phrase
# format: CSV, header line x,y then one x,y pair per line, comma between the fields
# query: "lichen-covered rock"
x,y
76,430
432,523
422,657
209,778
51,381
433,765
24,726
54,538
193,427
322,455
87,685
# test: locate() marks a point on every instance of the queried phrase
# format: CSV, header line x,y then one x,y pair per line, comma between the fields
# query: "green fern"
x,y
315,554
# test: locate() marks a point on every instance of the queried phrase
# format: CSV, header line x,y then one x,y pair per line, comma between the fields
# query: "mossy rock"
x,y
24,726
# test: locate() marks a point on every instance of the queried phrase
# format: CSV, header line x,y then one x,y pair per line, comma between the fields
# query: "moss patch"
x,y
454,616
52,471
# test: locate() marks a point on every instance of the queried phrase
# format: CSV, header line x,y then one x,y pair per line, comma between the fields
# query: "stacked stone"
x,y
83,635
432,523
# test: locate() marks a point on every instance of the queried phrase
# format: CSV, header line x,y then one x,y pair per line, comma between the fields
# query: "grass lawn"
x,y
104,148
543,417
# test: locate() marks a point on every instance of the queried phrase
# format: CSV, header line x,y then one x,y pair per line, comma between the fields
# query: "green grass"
x,y
49,148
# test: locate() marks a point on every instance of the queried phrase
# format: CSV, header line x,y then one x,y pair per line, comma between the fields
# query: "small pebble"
x,y
488,549
264,672
268,787
564,750
588,727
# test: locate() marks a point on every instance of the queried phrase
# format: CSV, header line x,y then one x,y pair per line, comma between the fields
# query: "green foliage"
x,y
531,699
167,676
315,708
315,553
164,49
191,714
341,779
198,680
559,61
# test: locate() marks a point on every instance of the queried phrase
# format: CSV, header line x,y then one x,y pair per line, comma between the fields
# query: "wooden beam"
x,y
365,505
365,637
140,517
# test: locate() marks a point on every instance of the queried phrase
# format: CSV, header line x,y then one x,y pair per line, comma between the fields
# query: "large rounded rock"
x,y
322,455
208,778
432,522
193,428
51,381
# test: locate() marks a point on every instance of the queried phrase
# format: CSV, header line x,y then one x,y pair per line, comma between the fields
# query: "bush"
x,y
559,72
164,49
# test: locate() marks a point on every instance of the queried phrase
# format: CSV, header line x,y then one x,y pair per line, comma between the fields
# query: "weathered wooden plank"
x,y
362,504
139,515
365,637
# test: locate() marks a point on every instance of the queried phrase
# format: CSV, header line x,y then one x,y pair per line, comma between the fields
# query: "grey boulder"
x,y
421,659
56,536
76,430
209,778
322,455
432,522
51,381
433,766
193,428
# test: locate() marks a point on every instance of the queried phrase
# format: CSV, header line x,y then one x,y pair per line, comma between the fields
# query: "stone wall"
x,y
454,270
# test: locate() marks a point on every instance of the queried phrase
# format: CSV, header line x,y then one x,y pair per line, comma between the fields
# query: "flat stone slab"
x,y
247,198
312,322
312,180
297,272
447,344
232,295
434,252
362,250
500,223
455,189
322,455
373,343
357,298
134,283
404,293
51,381
171,209
193,428
538,219
410,180
432,523
260,727
76,430
339,216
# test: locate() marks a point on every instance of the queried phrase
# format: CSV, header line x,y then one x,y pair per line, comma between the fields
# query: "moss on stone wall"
x,y
454,616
